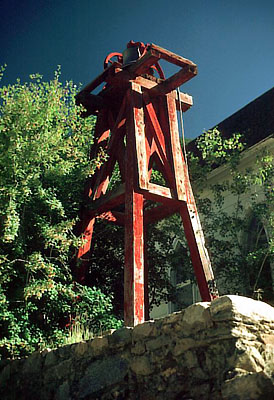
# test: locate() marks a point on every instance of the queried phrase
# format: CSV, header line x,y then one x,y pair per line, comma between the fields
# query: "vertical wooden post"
x,y
146,293
134,259
176,150
134,312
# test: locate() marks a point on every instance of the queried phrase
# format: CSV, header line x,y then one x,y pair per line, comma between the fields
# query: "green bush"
x,y
44,148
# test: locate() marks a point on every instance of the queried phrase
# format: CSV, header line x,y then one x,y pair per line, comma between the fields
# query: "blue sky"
x,y
232,42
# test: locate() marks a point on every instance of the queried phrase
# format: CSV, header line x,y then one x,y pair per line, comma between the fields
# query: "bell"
x,y
130,55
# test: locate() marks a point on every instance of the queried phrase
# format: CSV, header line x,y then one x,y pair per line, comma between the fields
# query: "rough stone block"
x,y
241,308
139,348
63,392
64,352
242,330
80,349
58,372
147,329
121,337
268,339
168,372
196,318
184,345
141,366
98,345
173,318
158,342
268,355
50,358
248,386
102,374
5,374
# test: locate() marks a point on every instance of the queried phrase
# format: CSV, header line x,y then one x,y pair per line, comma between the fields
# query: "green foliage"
x,y
44,147
239,238
216,150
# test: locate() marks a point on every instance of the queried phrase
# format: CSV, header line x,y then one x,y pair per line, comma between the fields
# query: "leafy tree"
x,y
44,147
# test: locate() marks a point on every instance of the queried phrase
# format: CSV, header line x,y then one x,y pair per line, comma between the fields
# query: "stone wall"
x,y
222,350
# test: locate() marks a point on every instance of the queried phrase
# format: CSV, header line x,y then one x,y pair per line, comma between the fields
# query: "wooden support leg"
x,y
146,294
188,210
198,252
136,176
134,260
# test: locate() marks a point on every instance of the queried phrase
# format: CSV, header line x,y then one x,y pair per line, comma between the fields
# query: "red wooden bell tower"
x,y
137,127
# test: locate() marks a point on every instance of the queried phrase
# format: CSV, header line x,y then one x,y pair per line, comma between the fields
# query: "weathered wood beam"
x,y
156,214
176,80
99,79
136,127
159,194
107,202
134,302
158,198
170,56
116,217
199,256
159,190
83,253
144,63
169,123
186,99
104,173
159,138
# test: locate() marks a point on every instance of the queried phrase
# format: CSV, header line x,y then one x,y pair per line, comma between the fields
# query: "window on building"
x,y
187,291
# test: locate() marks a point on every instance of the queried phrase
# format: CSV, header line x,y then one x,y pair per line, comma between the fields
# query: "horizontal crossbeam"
x,y
107,202
170,56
